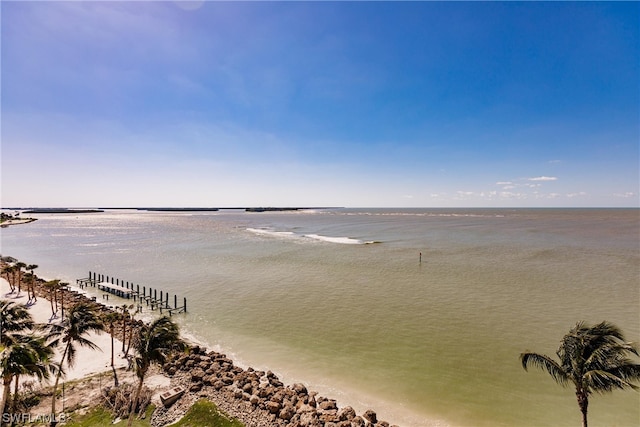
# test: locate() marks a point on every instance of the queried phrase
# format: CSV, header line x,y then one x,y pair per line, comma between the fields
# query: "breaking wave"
x,y
292,235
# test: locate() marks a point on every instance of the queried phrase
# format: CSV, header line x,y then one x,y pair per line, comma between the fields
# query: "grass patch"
x,y
204,413
99,416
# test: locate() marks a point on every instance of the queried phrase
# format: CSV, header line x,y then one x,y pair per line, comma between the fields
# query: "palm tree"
x,y
110,319
52,287
14,318
131,325
36,361
32,280
19,266
25,355
22,354
62,287
153,344
125,316
9,273
81,320
593,359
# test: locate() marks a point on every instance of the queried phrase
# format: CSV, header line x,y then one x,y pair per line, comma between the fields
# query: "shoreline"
x,y
256,398
17,221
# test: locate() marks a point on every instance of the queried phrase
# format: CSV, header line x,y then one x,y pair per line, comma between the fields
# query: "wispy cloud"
x,y
578,194
626,195
543,178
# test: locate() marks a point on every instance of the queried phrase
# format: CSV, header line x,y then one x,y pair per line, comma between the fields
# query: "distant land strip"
x,y
60,211
165,209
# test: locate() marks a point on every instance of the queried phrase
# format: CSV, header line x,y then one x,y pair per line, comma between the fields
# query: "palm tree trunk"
x,y
113,368
134,402
5,395
111,333
55,385
53,313
14,402
126,353
124,330
583,403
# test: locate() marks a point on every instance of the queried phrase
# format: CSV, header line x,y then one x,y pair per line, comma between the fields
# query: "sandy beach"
x,y
88,361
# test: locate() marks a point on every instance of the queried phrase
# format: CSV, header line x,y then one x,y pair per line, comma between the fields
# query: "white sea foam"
x,y
274,233
341,240
292,235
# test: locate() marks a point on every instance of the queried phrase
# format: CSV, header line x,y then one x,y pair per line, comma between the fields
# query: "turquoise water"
x,y
339,299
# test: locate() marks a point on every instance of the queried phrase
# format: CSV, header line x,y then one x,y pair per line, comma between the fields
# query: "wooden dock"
x,y
122,289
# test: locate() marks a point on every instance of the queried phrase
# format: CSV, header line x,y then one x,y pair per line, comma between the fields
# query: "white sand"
x,y
87,361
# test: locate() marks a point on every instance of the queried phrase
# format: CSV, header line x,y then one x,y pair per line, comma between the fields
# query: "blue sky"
x,y
357,104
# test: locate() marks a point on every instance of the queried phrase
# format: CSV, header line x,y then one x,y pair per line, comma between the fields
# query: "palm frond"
x,y
603,381
545,363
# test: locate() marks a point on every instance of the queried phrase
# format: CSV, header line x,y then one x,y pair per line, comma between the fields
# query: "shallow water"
x,y
339,299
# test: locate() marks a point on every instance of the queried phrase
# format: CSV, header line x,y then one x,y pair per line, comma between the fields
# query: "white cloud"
x,y
543,178
578,194
504,183
512,195
626,195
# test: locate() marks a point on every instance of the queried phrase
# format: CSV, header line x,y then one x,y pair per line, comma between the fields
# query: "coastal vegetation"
x,y
23,351
80,321
152,345
206,413
203,413
593,359
8,219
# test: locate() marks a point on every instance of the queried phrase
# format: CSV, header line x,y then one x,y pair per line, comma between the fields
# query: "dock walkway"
x,y
127,290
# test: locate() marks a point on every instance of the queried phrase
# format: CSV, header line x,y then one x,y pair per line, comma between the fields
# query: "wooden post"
x,y
185,304
175,301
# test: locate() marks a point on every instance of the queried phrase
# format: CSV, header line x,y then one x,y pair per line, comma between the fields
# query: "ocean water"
x,y
340,300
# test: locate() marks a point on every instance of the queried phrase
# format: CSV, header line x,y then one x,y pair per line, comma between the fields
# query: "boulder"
x,y
346,414
299,388
273,407
370,416
287,412
328,404
197,375
308,419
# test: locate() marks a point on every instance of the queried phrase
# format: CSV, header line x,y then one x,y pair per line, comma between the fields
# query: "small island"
x,y
271,209
8,219
61,211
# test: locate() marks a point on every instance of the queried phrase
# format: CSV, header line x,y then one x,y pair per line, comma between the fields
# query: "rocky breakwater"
x,y
256,398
